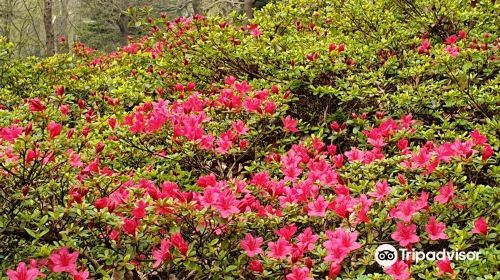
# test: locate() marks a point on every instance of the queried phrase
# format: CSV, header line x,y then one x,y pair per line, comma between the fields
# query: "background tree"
x,y
49,27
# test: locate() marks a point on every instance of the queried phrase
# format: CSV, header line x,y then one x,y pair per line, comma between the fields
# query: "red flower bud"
x,y
99,147
309,262
191,86
462,34
256,266
335,126
243,144
60,90
81,103
112,123
70,133
85,131
28,128
341,47
332,47
179,87
275,89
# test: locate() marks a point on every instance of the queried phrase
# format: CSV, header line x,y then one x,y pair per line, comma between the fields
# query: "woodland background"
x,y
46,27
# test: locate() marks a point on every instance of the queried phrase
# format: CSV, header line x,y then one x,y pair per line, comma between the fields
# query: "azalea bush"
x,y
289,146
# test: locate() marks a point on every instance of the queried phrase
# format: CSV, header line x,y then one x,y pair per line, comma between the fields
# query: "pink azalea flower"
x,y
130,226
290,124
462,149
342,205
381,190
453,51
435,230
207,181
81,275
346,239
444,266
240,128
339,244
317,208
407,121
254,30
446,193
270,107
424,47
478,138
75,160
22,272
10,134
36,105
354,154
178,241
161,254
227,204
287,231
140,209
279,249
403,146
299,274
422,201
405,234
54,129
63,261
487,152
419,159
290,167
480,226
307,239
377,141
243,87
404,210
260,179
318,144
335,252
374,154
64,109
399,271
364,206
251,245
206,142
334,271
451,40
224,144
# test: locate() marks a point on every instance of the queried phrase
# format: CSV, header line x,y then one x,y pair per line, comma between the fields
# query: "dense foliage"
x,y
288,147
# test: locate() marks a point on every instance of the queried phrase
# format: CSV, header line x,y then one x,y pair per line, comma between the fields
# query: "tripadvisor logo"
x,y
387,255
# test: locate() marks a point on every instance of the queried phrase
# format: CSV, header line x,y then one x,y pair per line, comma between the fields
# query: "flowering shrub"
x,y
215,148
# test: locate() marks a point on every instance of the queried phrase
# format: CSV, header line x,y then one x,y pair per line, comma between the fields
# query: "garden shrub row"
x,y
288,146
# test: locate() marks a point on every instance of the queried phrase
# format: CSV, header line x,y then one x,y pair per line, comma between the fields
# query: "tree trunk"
x,y
7,14
248,8
197,7
49,27
63,22
123,25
